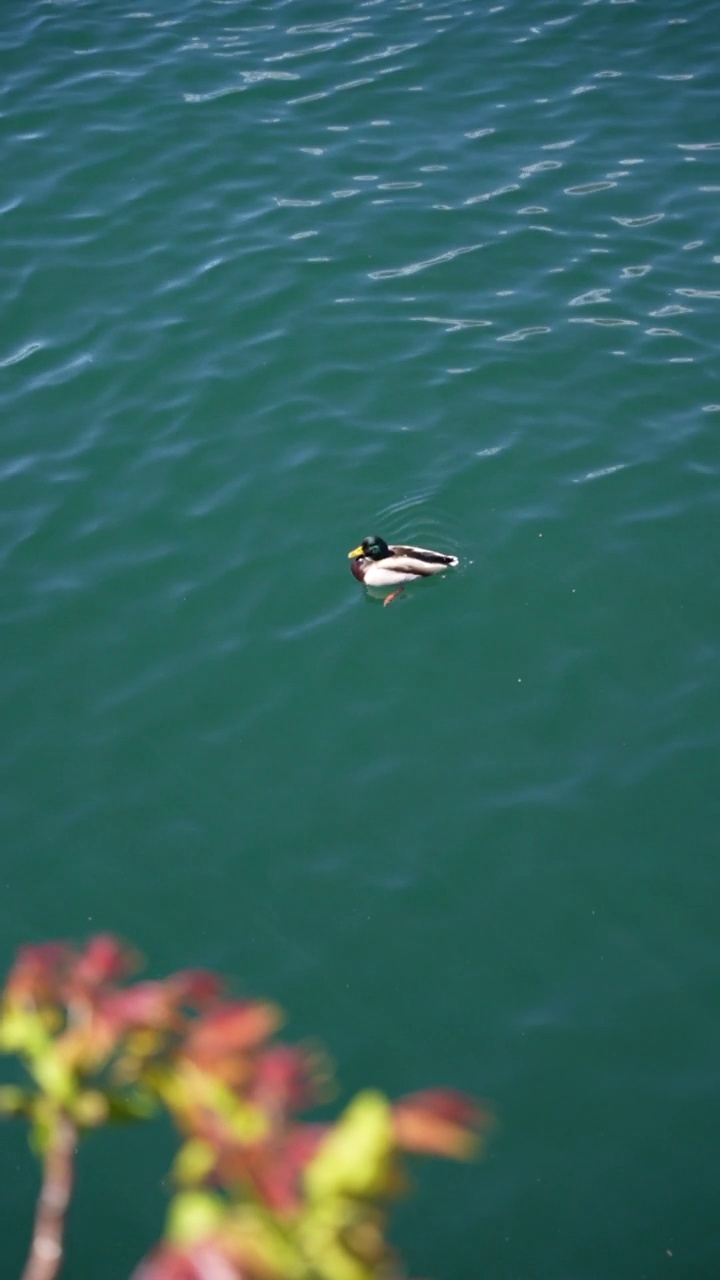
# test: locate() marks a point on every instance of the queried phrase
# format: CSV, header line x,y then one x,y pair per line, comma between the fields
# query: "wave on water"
x,y
419,520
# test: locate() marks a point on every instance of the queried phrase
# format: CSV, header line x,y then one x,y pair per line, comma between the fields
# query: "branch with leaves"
x,y
260,1193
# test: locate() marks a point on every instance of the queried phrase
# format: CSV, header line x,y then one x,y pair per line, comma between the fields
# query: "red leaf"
x,y
448,1104
166,1263
437,1122
146,1004
103,961
236,1027
204,1261
196,987
302,1144
284,1080
274,1166
38,973
159,1004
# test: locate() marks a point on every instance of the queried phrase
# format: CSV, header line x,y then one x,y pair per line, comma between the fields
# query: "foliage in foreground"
x,y
260,1194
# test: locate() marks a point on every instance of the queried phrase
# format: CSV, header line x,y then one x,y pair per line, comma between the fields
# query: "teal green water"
x,y
279,274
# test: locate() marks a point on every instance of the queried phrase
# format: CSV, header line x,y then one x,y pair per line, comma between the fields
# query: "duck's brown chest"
x,y
359,567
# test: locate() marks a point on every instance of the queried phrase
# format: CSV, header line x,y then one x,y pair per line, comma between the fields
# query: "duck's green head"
x,y
373,548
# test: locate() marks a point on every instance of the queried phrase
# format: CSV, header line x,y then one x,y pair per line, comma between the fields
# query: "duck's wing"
x,y
423,556
407,566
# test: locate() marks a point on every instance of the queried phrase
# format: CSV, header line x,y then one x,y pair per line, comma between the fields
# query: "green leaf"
x,y
256,1233
194,1215
90,1109
41,1131
194,1161
55,1078
14,1101
355,1158
127,1108
321,1233
22,1031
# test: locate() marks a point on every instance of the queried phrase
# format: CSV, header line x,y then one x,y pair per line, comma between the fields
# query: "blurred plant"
x,y
260,1194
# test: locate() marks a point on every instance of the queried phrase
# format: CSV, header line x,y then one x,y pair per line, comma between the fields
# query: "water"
x,y
279,275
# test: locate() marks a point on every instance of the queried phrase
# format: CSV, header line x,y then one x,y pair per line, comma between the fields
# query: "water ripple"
x,y
647,221
521,334
413,268
23,353
452,325
600,473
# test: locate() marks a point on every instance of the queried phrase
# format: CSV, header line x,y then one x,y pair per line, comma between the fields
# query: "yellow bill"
x,y
352,555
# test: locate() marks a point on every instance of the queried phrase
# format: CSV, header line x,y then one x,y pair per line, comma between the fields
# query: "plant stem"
x,y
46,1251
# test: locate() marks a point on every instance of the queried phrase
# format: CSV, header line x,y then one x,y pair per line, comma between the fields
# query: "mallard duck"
x,y
379,565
